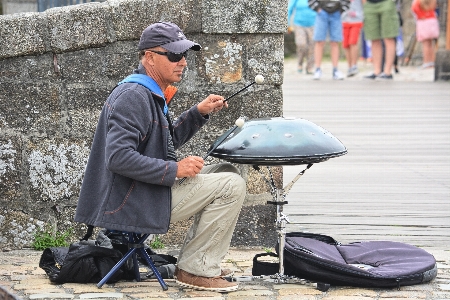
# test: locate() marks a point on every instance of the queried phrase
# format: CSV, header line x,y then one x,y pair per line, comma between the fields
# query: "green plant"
x,y
156,243
267,250
46,238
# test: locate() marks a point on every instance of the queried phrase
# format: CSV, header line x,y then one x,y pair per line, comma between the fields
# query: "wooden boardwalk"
x,y
394,183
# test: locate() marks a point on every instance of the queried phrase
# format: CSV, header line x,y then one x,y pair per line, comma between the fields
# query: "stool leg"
x,y
137,275
150,263
136,239
116,267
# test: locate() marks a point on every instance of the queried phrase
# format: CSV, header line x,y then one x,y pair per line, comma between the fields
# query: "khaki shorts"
x,y
380,20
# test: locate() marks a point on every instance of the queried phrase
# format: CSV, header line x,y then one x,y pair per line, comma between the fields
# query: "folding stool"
x,y
135,246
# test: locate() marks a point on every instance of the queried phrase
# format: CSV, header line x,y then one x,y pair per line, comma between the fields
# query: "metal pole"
x,y
281,226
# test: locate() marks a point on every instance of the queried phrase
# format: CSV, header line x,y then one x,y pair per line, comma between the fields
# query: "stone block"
x,y
120,59
10,166
78,27
84,103
18,229
31,107
244,16
83,65
226,60
22,34
28,69
99,64
131,17
55,170
255,226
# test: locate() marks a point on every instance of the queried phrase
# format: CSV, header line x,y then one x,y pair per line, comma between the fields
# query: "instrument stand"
x,y
279,196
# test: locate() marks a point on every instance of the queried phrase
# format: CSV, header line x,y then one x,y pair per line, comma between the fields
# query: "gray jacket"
x,y
127,183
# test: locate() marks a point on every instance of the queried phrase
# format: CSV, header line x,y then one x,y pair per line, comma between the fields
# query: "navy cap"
x,y
167,35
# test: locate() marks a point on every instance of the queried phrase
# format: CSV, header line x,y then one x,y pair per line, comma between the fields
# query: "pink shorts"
x,y
427,29
351,33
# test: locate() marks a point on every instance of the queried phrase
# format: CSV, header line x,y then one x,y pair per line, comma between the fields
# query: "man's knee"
x,y
234,188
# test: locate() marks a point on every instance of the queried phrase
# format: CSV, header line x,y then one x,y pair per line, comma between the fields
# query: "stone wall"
x,y
58,67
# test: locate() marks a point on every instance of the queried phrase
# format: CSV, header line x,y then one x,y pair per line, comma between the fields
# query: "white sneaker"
x,y
352,71
337,75
317,74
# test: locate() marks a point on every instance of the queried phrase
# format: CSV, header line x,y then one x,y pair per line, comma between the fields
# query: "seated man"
x,y
131,181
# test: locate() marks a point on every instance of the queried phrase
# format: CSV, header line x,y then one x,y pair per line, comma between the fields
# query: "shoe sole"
x,y
220,290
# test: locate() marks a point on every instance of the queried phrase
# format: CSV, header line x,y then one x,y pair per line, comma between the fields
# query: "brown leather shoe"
x,y
215,284
226,272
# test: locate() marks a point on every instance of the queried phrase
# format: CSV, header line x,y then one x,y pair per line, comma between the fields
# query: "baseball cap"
x,y
167,35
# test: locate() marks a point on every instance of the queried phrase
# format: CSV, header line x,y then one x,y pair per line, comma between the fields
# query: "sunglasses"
x,y
173,57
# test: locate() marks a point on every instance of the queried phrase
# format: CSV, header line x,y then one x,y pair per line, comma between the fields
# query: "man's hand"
x,y
189,166
213,103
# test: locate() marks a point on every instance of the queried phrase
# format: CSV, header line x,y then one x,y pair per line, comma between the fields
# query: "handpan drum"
x,y
278,141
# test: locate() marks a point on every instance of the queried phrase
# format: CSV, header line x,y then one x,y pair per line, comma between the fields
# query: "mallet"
x,y
259,79
238,124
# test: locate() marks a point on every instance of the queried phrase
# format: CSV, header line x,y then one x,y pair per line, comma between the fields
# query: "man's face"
x,y
167,71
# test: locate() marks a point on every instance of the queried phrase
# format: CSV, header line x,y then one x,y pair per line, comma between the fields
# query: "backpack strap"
x,y
90,229
150,84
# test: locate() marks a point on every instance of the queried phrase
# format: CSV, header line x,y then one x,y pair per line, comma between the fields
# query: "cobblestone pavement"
x,y
21,277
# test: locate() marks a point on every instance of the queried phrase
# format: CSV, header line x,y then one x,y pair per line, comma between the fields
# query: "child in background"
x,y
352,22
427,29
328,22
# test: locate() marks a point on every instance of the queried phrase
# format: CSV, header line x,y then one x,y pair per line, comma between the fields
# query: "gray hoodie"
x,y
128,179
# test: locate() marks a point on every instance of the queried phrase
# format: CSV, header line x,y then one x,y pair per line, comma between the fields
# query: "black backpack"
x,y
80,263
90,260
321,259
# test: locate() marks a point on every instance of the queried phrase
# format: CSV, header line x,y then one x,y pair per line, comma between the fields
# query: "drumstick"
x,y
259,79
238,124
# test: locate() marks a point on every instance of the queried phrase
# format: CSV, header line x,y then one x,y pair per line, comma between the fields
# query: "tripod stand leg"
x,y
281,242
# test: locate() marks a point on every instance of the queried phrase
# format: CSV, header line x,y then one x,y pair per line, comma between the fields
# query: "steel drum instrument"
x,y
278,141
274,142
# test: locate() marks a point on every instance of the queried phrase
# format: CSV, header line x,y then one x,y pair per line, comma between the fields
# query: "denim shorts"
x,y
327,23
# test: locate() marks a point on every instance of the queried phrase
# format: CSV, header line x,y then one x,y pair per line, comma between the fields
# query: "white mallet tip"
x,y
259,79
240,122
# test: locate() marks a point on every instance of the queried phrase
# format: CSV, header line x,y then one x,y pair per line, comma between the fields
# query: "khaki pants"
x,y
304,46
214,197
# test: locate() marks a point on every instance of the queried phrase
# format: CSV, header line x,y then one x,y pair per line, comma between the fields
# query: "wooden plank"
x,y
394,183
